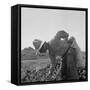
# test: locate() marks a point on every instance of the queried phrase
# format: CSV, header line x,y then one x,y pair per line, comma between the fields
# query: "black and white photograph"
x,y
44,44
53,45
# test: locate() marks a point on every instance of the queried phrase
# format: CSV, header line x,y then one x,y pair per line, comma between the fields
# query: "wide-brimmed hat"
x,y
62,34
37,43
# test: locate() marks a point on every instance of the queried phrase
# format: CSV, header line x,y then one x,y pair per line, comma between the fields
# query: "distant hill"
x,y
30,53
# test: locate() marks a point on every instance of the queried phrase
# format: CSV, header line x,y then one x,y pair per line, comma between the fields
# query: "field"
x,y
35,64
31,67
38,70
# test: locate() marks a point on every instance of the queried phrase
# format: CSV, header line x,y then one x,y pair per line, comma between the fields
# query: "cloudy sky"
x,y
44,23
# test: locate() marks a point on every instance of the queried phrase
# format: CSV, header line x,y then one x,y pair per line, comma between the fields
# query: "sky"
x,y
43,24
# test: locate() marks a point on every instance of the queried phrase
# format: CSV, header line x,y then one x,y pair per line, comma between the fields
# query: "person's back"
x,y
59,47
59,44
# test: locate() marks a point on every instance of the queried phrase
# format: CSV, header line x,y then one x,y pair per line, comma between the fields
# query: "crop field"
x,y
30,67
37,70
35,64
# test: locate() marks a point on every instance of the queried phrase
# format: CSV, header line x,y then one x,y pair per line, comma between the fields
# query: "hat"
x,y
37,43
61,34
